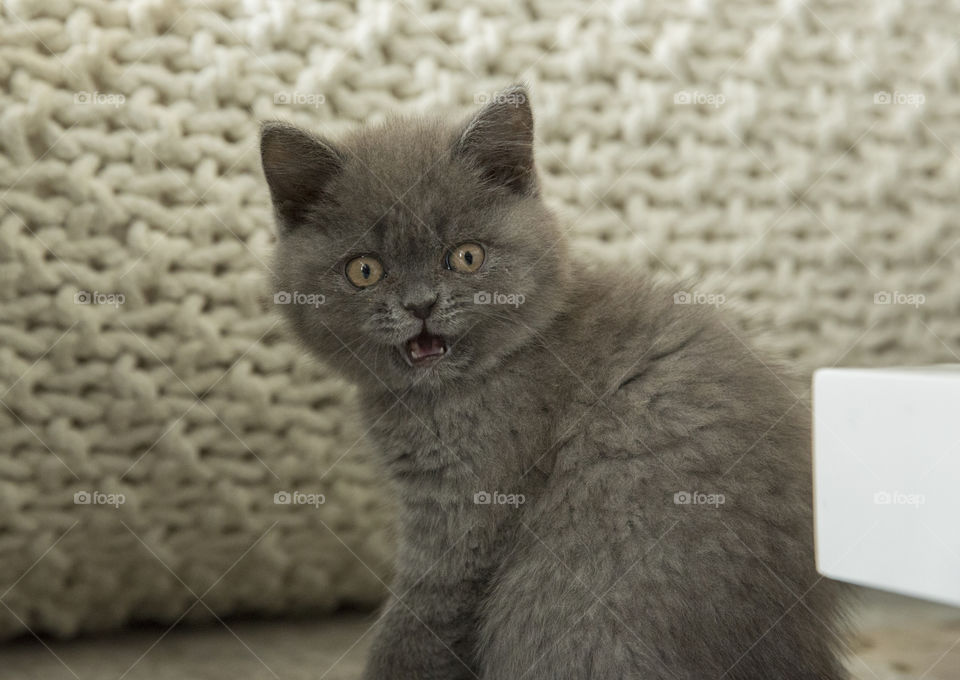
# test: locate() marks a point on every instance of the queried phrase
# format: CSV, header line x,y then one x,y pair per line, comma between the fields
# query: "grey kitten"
x,y
595,482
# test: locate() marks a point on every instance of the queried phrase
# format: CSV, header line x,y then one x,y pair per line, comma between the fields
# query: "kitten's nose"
x,y
420,306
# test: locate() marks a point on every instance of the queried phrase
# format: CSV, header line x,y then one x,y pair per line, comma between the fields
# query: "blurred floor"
x,y
261,650
901,637
898,639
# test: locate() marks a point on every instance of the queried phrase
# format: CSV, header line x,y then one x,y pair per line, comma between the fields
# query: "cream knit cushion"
x,y
797,156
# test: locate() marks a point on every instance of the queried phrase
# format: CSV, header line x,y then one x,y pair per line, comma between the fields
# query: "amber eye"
x,y
364,271
466,258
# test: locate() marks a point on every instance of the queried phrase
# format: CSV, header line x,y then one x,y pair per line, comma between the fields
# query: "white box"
x,y
886,448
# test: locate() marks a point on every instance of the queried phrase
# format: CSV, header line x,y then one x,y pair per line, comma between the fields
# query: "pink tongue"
x,y
426,346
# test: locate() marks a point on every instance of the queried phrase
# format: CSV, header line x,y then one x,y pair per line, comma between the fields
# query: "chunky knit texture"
x,y
797,157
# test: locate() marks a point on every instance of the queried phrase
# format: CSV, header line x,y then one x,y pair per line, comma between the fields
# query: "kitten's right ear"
x,y
298,167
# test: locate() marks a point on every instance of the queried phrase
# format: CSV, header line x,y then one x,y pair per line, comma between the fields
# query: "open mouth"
x,y
425,349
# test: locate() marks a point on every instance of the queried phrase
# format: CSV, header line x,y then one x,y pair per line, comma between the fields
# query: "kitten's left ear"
x,y
499,141
298,168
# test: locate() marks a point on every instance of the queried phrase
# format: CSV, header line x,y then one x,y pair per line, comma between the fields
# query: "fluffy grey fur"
x,y
598,400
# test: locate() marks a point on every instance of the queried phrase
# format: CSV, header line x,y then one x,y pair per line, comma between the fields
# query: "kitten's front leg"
x,y
425,633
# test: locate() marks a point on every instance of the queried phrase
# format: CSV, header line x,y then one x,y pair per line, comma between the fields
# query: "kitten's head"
x,y
415,253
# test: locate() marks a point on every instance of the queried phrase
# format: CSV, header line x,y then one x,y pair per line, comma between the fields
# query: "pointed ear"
x,y
499,141
298,167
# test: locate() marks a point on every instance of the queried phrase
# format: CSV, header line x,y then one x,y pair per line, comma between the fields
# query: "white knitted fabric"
x,y
796,156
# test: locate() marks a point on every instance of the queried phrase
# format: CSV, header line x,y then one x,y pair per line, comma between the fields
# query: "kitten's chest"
x,y
495,439
466,466
465,470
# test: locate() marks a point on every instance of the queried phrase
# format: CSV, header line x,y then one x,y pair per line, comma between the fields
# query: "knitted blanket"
x,y
166,452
